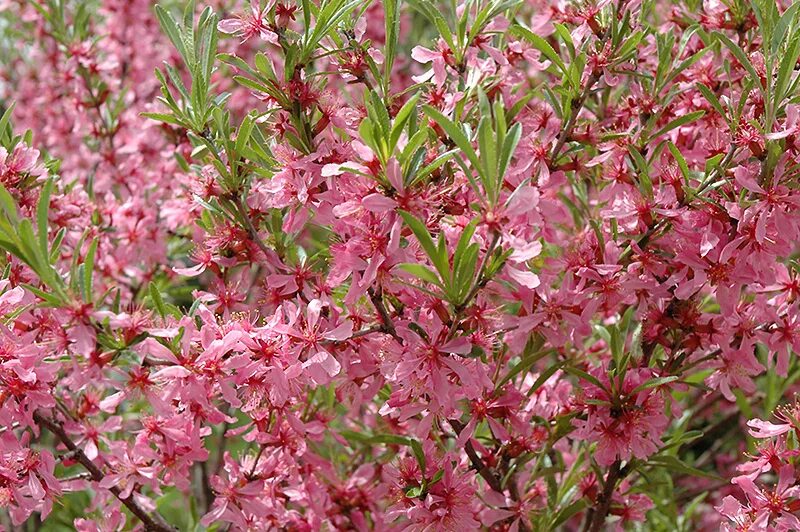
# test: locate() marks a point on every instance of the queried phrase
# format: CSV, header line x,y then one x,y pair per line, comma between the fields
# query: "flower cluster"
x,y
768,481
505,265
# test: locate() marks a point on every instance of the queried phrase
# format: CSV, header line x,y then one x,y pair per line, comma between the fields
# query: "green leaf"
x,y
391,31
413,147
330,14
464,240
465,273
630,44
567,513
88,271
243,135
488,155
788,61
170,27
8,205
55,246
379,114
683,66
683,438
164,117
442,256
509,147
27,242
643,170
433,14
524,365
679,159
42,208
653,383
400,121
585,376
740,56
241,64
414,491
5,122
158,301
430,168
563,32
421,272
674,463
207,48
419,454
387,439
426,241
678,122
543,376
50,299
782,26
460,139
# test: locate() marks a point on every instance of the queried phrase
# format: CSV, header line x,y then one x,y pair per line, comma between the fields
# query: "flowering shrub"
x,y
517,265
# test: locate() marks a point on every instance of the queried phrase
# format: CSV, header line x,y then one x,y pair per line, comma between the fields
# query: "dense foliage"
x,y
518,265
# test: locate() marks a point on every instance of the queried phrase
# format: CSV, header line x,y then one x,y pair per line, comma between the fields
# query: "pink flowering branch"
x,y
648,235
494,481
565,298
577,104
152,523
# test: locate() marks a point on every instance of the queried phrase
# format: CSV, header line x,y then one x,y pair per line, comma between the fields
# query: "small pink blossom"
x,y
250,24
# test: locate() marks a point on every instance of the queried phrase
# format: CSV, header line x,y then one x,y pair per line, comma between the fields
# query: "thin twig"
x,y
241,208
358,334
252,473
477,463
376,296
364,332
576,107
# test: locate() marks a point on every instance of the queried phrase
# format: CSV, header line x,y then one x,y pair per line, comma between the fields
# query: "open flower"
x,y
250,24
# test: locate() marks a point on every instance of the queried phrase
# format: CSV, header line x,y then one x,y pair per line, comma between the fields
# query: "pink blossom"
x,y
249,24
214,296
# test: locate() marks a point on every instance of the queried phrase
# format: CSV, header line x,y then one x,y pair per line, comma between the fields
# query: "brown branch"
x,y
364,332
596,518
154,523
485,471
358,334
241,208
376,296
477,462
205,486
576,107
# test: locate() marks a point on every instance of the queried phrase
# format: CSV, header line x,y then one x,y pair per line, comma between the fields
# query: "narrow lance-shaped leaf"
x,y
88,271
426,241
678,122
458,137
42,209
740,56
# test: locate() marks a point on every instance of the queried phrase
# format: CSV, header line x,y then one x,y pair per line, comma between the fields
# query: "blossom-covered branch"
x,y
348,265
